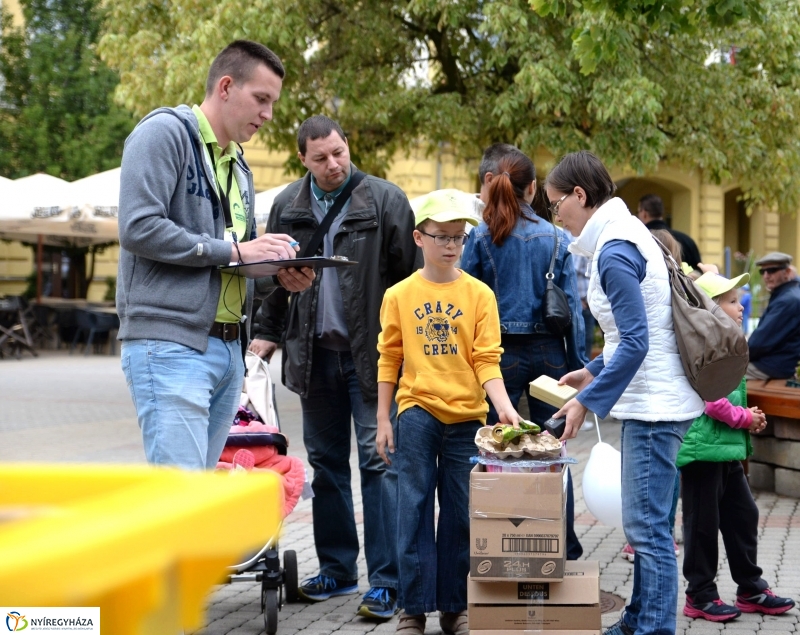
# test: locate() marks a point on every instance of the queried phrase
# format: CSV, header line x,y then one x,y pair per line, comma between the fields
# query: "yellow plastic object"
x,y
144,544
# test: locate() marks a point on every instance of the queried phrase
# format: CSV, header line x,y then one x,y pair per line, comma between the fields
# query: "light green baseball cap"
x,y
714,284
444,206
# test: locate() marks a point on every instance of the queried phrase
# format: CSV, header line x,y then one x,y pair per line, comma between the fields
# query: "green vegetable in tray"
x,y
505,434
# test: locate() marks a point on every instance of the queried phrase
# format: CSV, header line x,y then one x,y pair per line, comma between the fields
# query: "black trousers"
x,y
717,498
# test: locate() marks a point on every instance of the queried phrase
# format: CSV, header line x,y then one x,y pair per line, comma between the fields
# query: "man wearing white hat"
x,y
775,344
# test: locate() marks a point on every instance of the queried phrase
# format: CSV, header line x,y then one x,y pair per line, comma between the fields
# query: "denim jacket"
x,y
516,273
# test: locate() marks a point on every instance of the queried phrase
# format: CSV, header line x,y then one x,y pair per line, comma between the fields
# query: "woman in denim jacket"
x,y
510,251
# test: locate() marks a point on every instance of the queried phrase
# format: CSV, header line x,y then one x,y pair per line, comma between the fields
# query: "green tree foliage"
x,y
57,113
636,81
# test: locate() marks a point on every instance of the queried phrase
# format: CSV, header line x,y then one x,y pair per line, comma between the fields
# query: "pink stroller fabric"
x,y
267,458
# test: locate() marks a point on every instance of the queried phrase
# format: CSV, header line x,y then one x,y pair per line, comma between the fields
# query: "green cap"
x,y
444,206
714,284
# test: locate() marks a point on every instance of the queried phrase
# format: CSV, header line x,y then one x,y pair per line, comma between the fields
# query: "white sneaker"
x,y
587,425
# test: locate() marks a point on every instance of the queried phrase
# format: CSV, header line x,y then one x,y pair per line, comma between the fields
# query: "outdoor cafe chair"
x,y
91,324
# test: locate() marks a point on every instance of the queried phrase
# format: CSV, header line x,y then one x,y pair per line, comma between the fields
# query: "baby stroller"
x,y
256,442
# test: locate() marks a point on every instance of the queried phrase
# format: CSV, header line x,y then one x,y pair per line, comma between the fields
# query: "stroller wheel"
x,y
269,598
290,575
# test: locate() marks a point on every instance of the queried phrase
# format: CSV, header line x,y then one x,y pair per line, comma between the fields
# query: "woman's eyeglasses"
x,y
553,207
442,240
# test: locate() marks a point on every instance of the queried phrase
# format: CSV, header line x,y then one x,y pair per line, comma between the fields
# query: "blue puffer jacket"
x,y
516,273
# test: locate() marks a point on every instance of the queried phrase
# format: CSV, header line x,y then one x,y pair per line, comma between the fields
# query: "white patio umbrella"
x,y
264,202
30,200
45,210
93,206
100,191
81,213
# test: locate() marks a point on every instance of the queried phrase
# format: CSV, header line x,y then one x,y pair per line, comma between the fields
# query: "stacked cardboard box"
x,y
519,576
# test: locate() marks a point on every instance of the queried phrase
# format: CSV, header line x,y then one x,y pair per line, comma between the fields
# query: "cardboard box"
x,y
570,605
540,496
517,525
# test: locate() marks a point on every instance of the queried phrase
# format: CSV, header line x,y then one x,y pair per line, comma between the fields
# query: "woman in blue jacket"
x,y
510,251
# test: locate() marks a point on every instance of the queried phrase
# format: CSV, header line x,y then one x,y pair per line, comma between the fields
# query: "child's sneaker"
x,y
627,552
454,623
716,611
765,602
378,602
410,624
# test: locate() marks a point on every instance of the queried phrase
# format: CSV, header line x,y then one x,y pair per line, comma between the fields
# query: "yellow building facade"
x,y
711,214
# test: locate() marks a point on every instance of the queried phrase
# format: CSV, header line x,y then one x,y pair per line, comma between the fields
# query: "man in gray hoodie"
x,y
186,207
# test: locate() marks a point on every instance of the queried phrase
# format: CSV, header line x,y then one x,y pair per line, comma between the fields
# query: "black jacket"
x,y
775,344
377,232
690,254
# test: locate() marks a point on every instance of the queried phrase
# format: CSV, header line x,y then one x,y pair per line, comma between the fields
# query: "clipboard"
x,y
266,268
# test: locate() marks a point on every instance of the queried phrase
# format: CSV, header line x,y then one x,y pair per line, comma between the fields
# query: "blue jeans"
x,y
185,400
649,450
589,323
433,456
334,397
524,359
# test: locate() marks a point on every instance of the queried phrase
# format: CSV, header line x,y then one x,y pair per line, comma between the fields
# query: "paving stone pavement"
x,y
62,408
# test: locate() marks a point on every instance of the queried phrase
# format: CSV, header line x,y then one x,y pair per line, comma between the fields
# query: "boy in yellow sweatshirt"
x,y
442,327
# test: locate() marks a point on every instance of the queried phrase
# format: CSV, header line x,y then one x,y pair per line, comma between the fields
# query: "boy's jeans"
x,y
649,450
433,456
185,400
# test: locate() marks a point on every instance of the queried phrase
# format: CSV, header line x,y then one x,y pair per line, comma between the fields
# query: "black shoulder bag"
x,y
315,243
555,307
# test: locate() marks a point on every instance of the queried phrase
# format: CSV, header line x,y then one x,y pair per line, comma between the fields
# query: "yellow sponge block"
x,y
547,389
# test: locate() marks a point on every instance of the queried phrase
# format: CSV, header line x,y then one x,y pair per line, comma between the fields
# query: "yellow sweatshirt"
x,y
447,338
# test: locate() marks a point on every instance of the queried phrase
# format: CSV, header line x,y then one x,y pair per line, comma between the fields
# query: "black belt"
x,y
226,331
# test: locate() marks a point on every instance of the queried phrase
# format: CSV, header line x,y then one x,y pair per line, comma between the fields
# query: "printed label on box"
x,y
533,591
510,567
535,544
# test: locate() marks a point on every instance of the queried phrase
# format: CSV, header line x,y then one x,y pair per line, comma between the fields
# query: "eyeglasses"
x,y
442,241
770,270
553,207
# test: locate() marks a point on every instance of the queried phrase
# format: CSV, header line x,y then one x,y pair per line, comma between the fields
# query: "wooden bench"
x,y
775,464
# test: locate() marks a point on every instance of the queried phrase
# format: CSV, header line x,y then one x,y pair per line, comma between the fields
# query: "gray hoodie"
x,y
171,232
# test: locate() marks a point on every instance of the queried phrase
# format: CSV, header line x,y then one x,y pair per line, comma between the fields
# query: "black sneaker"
x,y
715,611
765,602
620,628
379,603
322,587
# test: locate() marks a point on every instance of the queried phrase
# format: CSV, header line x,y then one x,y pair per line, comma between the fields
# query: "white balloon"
x,y
602,485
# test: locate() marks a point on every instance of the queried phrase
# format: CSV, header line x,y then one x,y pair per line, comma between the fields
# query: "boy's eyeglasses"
x,y
441,240
553,207
770,270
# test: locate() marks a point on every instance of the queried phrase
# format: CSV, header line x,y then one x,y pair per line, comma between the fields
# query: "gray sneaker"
x,y
454,623
620,628
410,624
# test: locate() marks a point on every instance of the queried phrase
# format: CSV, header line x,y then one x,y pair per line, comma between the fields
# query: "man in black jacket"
x,y
775,344
651,213
330,356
